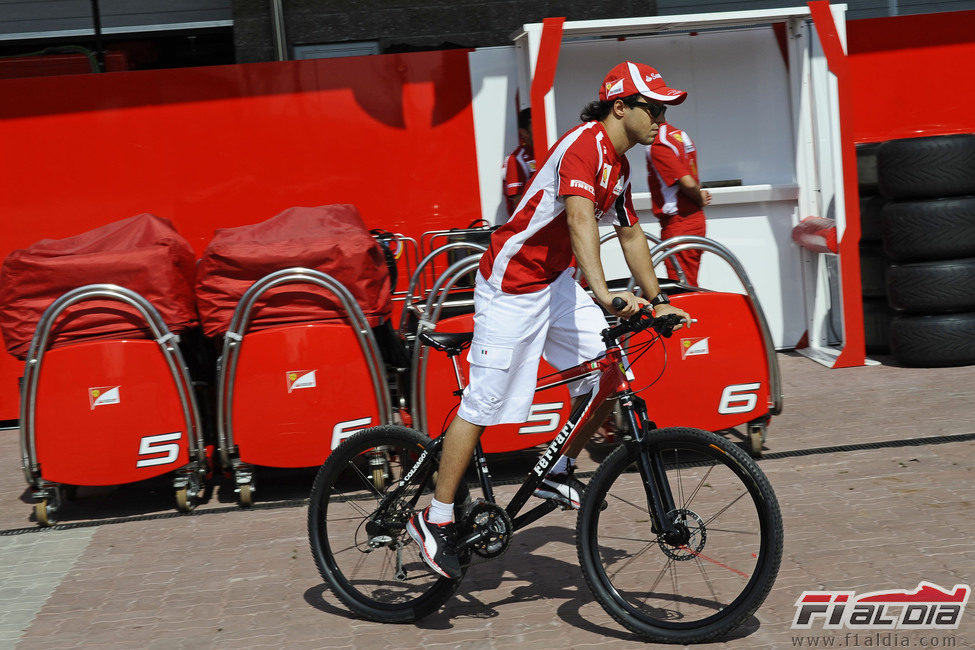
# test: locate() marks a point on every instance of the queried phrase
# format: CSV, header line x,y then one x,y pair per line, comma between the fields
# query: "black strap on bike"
x,y
385,239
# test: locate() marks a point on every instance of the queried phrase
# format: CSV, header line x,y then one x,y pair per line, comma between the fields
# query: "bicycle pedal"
x,y
563,504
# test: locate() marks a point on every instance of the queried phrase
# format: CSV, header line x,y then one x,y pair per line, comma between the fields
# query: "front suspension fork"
x,y
651,466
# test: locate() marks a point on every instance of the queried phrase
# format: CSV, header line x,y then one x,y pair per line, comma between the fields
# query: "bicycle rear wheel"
x,y
365,555
715,573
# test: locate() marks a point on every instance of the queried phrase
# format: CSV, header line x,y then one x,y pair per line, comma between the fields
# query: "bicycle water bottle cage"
x,y
453,343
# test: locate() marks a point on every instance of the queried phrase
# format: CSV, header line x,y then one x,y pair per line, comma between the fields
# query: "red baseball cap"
x,y
630,78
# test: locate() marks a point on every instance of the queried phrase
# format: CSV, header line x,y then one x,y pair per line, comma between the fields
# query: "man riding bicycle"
x,y
527,303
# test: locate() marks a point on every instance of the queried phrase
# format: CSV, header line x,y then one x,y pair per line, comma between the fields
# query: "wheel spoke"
x,y
359,517
618,538
713,561
724,509
362,511
707,580
750,533
701,483
679,481
636,556
351,547
637,506
366,480
660,576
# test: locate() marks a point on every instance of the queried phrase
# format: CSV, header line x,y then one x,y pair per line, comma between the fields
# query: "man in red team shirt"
x,y
527,302
675,188
520,164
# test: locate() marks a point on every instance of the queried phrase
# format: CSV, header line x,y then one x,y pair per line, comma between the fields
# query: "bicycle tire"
x,y
721,539
344,498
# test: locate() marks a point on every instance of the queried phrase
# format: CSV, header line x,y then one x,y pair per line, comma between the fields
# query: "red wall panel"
x,y
912,75
231,145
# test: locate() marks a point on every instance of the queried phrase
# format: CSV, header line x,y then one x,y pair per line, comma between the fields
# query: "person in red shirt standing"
x,y
678,199
528,304
520,164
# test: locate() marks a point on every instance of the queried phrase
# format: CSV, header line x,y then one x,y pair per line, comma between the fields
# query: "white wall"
x,y
494,82
737,111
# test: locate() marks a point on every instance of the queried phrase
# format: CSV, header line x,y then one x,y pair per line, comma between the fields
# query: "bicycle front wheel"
x,y
363,551
713,573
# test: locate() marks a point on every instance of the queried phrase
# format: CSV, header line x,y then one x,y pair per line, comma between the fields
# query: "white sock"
x,y
441,513
562,465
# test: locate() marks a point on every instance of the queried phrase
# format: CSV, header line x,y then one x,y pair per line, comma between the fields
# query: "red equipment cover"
x,y
329,238
298,392
91,425
143,253
713,375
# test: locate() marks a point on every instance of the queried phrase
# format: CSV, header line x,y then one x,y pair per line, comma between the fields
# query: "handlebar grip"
x,y
618,303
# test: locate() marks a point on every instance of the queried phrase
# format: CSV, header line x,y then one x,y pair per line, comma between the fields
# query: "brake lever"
x,y
665,324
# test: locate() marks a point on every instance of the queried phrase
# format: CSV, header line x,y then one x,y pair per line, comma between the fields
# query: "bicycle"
x,y
684,554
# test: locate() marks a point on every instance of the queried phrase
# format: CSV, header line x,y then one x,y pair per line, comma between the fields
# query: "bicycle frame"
x,y
613,384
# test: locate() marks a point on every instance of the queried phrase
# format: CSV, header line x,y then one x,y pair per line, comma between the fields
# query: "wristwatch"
x,y
660,299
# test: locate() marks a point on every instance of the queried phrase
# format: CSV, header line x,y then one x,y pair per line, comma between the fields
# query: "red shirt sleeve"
x,y
513,182
578,171
667,163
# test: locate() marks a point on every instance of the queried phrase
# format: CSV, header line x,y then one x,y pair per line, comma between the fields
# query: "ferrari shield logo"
x,y
693,347
301,379
102,395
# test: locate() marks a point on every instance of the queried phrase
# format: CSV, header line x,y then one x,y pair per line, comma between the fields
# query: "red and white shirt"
x,y
533,248
518,168
671,157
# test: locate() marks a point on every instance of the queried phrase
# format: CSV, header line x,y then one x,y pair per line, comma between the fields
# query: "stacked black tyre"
x,y
877,313
928,235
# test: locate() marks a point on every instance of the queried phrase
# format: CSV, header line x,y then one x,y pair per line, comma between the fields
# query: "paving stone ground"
x,y
122,576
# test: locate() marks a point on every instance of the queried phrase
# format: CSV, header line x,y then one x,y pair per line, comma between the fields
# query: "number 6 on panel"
x,y
738,398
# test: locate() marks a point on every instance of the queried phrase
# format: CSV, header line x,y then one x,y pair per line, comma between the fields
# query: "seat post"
x,y
460,379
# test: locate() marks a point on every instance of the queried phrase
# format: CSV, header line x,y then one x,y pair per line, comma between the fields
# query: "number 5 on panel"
x,y
163,443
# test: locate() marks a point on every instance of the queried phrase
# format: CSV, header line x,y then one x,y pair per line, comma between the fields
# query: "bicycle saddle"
x,y
450,342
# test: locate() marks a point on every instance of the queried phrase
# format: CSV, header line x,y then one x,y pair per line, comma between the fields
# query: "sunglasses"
x,y
655,110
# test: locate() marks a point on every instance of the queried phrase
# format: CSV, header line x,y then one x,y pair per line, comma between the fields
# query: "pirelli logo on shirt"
x,y
583,185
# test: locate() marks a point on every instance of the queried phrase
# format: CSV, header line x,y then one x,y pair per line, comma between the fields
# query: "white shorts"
x,y
511,333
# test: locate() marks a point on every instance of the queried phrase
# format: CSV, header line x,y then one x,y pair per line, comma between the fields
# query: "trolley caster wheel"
x,y
379,467
185,502
379,479
245,495
187,492
44,513
756,438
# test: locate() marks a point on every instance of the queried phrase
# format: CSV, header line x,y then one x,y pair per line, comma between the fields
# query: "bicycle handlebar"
x,y
663,325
